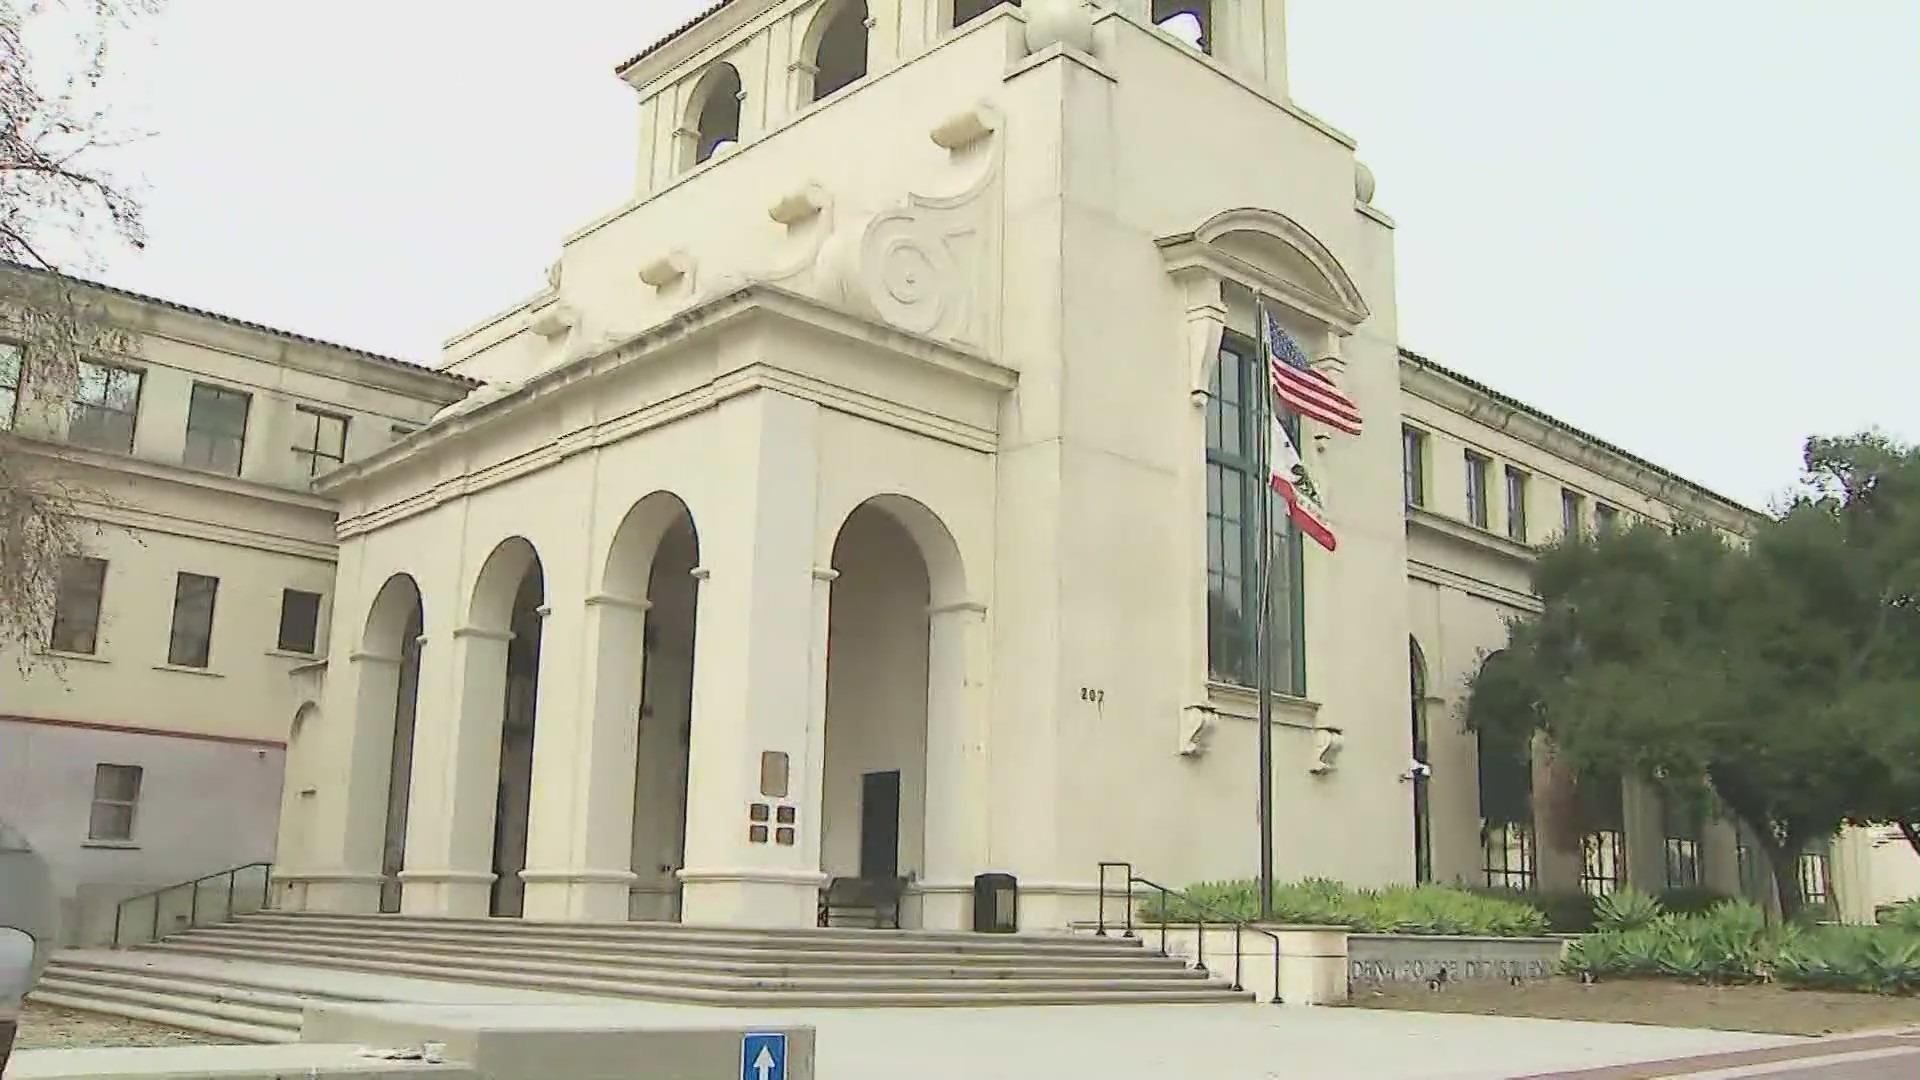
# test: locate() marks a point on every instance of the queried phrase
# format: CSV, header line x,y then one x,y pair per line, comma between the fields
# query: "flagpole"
x,y
1263,634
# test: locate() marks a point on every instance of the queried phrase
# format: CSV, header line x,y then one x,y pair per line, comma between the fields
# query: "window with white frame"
x,y
76,607
319,440
116,800
217,428
105,407
1478,469
1516,505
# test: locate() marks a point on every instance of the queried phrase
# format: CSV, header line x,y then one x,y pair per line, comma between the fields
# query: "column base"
x,y
453,894
333,891
576,895
769,899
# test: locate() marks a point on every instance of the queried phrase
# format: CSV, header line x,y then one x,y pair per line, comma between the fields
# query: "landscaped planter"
x,y
1418,958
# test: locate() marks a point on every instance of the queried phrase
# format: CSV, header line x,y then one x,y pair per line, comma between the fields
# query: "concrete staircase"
x,y
226,1006
648,961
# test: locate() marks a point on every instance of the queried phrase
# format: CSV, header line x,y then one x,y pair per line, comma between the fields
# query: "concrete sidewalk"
x,y
1119,1042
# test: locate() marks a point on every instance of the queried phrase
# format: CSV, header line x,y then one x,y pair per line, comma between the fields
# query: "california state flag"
x,y
1290,480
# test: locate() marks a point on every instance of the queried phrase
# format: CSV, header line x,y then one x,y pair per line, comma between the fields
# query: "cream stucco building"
x,y
871,495
144,744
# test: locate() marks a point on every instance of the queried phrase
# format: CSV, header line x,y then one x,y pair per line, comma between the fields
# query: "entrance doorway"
x,y
514,796
666,725
880,825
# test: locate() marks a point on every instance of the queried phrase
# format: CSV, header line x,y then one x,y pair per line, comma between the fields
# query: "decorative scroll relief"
x,y
929,264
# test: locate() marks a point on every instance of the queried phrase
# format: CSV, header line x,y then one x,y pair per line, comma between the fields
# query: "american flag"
x,y
1302,389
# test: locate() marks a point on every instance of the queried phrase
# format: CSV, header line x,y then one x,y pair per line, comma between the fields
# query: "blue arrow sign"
x,y
763,1056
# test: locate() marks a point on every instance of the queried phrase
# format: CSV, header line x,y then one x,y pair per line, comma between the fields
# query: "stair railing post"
x,y
193,906
1239,950
156,917
1100,920
1129,932
233,878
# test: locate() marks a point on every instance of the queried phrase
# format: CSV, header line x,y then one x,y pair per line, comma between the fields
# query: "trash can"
x,y
996,904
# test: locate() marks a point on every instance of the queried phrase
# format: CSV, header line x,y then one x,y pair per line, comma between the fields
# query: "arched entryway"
x,y
390,692
1420,768
651,579
509,604
894,739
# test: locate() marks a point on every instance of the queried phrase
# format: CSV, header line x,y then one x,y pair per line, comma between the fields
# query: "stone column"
x,y
456,778
812,769
958,800
754,671
339,868
580,843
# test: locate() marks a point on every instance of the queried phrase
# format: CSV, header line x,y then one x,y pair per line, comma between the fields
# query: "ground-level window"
x,y
1603,850
1510,862
1234,489
1683,828
1816,881
1506,809
299,621
116,795
190,644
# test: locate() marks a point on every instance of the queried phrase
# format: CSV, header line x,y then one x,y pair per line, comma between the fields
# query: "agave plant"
x,y
1628,909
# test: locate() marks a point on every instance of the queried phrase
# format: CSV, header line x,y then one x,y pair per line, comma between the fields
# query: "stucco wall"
x,y
204,806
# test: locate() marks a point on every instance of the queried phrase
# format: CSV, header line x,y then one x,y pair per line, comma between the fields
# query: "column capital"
x,y
826,574
700,573
363,657
482,633
543,611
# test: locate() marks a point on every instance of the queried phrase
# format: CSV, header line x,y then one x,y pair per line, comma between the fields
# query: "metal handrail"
x,y
1240,926
232,874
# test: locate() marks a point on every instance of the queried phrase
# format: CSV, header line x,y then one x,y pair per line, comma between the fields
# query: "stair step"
x,y
178,986
1135,964
261,1016
141,965
164,1016
743,991
929,942
617,975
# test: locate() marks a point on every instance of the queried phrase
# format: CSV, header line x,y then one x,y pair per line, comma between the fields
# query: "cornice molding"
x,y
1485,409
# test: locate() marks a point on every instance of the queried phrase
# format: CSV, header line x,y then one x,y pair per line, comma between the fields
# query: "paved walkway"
x,y
1220,1042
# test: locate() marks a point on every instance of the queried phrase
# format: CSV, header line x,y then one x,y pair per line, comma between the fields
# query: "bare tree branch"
x,y
56,185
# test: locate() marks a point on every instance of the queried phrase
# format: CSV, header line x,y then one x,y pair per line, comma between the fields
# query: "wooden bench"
x,y
877,897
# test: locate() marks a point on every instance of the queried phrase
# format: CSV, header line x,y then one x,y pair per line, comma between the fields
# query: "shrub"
x,y
1904,915
1691,900
1627,909
1566,912
1731,943
1398,909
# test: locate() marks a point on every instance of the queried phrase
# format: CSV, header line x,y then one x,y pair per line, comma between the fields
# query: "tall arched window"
x,y
715,113
965,11
1189,20
1506,806
1234,488
839,46
1422,798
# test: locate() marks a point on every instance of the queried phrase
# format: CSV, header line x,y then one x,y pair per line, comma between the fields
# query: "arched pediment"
x,y
1271,252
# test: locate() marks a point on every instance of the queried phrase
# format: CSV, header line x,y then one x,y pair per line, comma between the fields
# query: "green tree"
x,y
1857,520
1767,676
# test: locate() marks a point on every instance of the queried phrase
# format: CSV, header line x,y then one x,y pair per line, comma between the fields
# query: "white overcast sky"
x,y
1688,226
